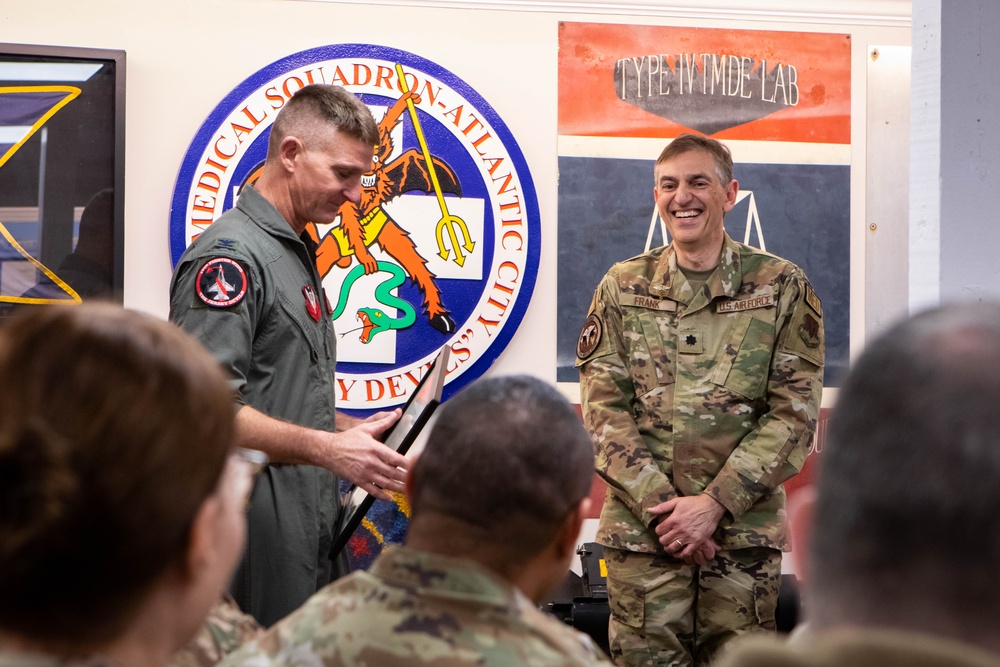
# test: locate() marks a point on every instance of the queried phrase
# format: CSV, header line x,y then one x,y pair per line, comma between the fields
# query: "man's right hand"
x,y
357,455
354,454
703,554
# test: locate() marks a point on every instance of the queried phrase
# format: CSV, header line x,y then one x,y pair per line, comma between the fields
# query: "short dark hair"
x,y
686,143
906,530
329,104
506,454
114,428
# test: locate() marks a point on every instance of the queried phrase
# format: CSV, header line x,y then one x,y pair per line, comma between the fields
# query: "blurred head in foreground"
x,y
121,500
905,530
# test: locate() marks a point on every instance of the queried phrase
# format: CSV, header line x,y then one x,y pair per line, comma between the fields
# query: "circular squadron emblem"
x,y
222,282
448,215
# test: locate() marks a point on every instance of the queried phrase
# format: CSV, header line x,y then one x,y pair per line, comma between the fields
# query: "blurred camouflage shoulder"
x,y
224,630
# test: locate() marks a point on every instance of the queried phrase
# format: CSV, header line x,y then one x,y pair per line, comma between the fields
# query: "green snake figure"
x,y
375,321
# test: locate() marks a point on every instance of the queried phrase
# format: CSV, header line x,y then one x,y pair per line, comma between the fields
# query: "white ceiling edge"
x,y
895,13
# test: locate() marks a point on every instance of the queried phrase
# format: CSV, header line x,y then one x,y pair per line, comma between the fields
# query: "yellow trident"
x,y
448,222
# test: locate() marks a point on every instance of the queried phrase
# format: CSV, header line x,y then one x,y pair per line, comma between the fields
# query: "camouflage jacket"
x,y
716,392
416,608
224,630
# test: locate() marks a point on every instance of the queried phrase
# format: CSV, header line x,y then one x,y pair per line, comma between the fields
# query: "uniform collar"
x,y
445,577
264,214
668,281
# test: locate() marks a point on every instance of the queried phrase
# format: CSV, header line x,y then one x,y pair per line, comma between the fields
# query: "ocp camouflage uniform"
x,y
416,608
224,630
716,392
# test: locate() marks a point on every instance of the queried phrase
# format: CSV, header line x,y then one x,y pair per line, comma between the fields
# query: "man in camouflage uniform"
x,y
498,497
701,368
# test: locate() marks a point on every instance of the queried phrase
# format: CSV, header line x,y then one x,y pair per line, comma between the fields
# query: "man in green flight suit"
x,y
701,366
249,290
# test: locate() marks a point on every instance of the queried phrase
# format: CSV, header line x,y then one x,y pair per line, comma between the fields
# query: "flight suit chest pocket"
x,y
651,353
303,324
745,359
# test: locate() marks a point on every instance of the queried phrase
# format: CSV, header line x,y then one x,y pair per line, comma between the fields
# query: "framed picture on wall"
x,y
62,175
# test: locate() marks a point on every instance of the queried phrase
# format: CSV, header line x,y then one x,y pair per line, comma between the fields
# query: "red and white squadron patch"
x,y
221,283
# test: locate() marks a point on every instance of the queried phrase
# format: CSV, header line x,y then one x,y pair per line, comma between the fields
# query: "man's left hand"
x,y
688,523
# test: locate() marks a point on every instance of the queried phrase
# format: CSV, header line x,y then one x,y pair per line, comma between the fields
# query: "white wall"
x,y
184,56
956,140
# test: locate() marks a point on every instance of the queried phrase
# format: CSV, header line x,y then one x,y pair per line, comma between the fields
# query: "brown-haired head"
x,y
114,428
319,107
695,142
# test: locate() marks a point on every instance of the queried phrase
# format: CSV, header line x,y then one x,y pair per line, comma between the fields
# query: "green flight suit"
x,y
281,358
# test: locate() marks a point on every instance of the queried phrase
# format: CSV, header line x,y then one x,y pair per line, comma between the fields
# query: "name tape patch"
x,y
648,302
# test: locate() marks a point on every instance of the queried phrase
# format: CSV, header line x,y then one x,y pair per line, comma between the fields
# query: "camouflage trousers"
x,y
665,613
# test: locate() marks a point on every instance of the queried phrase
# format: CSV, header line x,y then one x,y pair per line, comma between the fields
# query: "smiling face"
x,y
327,173
692,201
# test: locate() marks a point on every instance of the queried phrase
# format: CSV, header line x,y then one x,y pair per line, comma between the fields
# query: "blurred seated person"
x,y
225,629
905,534
497,498
121,499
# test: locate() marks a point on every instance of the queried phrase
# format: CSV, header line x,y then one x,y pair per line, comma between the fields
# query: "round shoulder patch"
x,y
222,282
590,337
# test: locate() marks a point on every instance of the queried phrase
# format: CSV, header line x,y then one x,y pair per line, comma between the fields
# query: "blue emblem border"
x,y
189,165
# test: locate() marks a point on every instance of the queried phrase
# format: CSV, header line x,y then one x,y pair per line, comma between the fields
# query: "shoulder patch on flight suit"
x,y
221,282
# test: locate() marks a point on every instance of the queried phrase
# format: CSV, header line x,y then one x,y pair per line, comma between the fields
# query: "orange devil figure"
x,y
367,222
